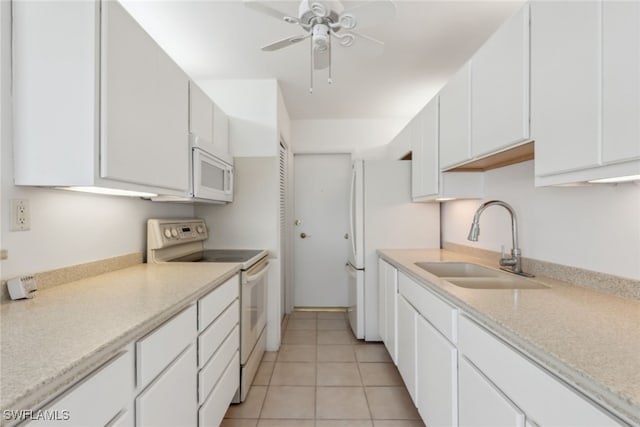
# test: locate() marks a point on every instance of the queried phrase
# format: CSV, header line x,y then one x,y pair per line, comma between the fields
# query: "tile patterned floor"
x,y
323,377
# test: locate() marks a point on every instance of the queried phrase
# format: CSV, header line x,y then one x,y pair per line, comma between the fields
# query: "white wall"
x,y
591,227
66,228
252,222
364,138
252,107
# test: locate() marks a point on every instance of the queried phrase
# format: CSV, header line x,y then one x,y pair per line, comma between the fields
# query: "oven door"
x,y
254,307
212,177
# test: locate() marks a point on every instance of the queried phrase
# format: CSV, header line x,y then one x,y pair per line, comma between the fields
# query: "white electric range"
x,y
182,240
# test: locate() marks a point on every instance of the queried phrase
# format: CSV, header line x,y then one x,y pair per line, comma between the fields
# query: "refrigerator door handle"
x,y
352,203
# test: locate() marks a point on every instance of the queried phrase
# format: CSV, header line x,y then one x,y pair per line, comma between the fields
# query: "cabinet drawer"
x,y
97,399
213,410
171,399
544,399
214,335
155,351
210,306
440,314
213,370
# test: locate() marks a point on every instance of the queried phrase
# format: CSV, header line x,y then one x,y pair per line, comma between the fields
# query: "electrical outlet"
x,y
20,215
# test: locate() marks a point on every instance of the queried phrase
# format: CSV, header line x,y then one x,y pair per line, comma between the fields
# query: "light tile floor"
x,y
324,377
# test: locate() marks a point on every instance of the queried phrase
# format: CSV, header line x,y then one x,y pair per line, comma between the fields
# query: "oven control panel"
x,y
162,233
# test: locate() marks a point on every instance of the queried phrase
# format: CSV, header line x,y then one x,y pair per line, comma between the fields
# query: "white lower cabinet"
x,y
460,374
437,376
544,400
96,400
482,403
171,399
407,345
387,303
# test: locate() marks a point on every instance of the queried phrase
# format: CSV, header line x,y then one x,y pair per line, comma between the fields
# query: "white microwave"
x,y
212,177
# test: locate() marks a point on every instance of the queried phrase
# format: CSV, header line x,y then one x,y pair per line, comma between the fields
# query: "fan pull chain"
x,y
311,68
330,79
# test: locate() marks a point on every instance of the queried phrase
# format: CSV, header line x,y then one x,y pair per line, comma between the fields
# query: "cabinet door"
x,y
540,395
200,117
144,107
455,108
171,399
565,85
437,376
417,155
407,345
500,88
391,310
620,81
425,161
96,400
220,131
387,297
482,403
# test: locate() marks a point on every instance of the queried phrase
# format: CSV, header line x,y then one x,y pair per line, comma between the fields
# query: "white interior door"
x,y
321,199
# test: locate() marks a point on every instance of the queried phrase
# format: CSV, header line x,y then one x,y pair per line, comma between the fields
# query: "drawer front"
x,y
440,314
97,399
544,399
213,370
212,305
213,410
158,349
214,335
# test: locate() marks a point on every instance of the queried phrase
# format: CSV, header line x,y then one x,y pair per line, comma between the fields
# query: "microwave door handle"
x,y
229,180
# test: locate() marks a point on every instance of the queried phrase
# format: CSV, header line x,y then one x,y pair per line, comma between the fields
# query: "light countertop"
x,y
589,339
65,332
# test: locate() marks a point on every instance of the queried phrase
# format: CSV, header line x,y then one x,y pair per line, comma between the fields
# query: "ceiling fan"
x,y
323,20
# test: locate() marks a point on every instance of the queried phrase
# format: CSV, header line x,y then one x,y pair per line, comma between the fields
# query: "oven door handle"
x,y
259,274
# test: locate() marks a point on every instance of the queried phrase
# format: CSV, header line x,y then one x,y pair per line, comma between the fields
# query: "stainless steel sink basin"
x,y
474,276
457,269
506,282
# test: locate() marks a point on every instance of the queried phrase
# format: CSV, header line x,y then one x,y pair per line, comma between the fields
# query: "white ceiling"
x,y
425,44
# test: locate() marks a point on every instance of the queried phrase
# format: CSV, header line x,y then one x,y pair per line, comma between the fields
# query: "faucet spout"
x,y
515,261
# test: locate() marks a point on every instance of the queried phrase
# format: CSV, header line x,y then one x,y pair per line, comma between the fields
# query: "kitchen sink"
x,y
457,269
506,282
474,276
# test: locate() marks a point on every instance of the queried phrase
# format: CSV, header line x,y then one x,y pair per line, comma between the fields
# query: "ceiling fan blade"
x,y
285,42
368,14
322,58
263,7
361,44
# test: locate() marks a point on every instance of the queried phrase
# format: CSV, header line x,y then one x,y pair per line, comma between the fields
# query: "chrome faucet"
x,y
515,261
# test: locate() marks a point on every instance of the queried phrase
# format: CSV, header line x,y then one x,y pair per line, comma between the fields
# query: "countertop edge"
x,y
618,405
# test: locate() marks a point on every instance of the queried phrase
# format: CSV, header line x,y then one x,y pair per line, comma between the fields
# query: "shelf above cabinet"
x,y
518,154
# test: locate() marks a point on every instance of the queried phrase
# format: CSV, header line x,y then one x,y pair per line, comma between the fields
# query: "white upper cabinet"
x,y
565,85
96,101
220,131
427,182
455,120
585,97
500,88
208,124
620,81
143,106
200,117
424,147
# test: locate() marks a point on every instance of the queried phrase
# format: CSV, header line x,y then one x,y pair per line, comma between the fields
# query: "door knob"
x,y
304,235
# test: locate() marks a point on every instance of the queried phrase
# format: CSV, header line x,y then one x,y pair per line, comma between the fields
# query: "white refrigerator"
x,y
382,216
